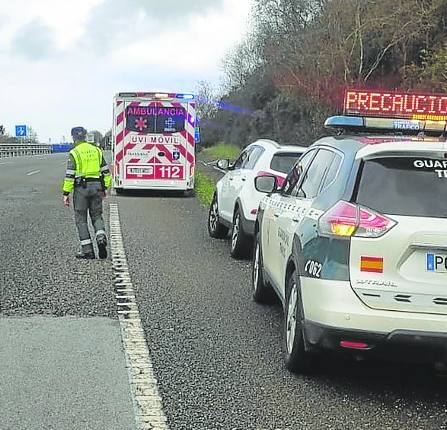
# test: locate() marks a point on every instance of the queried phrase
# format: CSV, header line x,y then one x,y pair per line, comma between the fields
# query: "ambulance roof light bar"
x,y
158,95
186,96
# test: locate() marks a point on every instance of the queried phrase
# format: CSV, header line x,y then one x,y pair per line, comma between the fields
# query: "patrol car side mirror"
x,y
266,184
223,164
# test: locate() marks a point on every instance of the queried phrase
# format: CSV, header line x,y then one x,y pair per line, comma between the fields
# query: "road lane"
x,y
39,240
56,373
217,354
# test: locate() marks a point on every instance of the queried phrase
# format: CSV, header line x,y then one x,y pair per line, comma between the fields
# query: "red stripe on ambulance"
x,y
120,118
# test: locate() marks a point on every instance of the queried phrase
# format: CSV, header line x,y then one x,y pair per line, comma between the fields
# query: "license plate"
x,y
141,170
437,263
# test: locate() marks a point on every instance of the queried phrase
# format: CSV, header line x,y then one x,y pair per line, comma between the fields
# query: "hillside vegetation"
x,y
290,71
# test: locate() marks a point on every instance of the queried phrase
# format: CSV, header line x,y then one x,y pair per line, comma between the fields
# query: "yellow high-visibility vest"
x,y
87,158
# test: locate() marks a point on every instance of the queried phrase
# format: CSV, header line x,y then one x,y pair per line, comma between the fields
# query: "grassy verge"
x,y
220,151
205,184
204,187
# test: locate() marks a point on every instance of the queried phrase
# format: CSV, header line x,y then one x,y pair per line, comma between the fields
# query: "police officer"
x,y
89,178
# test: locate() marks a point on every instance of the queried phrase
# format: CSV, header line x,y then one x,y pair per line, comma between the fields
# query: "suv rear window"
x,y
405,186
284,161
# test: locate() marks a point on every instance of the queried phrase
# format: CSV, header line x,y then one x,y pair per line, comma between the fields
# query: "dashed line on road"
x,y
145,395
33,172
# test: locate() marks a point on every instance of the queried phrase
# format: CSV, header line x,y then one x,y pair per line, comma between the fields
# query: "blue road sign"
x,y
197,135
20,130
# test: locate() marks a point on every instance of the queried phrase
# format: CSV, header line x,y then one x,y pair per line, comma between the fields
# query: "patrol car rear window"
x,y
405,186
283,162
151,119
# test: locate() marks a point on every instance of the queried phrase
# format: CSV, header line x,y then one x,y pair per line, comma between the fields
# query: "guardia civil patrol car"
x,y
355,242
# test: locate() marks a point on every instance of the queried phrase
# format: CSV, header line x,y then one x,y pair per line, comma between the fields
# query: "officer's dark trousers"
x,y
88,200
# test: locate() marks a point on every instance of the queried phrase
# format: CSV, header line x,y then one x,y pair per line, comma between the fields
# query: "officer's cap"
x,y
78,133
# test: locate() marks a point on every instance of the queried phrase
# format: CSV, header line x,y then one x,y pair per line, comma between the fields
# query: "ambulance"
x,y
153,141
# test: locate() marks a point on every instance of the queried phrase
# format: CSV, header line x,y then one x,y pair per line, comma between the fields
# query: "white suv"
x,y
236,201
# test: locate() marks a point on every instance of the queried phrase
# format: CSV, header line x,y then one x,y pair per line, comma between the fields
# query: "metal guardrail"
x,y
16,150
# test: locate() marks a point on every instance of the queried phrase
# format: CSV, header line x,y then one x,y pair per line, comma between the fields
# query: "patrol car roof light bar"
x,y
386,125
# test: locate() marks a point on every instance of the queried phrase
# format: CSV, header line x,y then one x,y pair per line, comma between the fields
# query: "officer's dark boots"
x,y
101,240
85,255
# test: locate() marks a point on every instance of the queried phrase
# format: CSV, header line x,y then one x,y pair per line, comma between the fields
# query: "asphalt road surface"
x,y
61,362
216,354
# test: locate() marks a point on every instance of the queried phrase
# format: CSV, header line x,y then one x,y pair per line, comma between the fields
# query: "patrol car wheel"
x,y
297,359
262,293
119,191
215,228
239,239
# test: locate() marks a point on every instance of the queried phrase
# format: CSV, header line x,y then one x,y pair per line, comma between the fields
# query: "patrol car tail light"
x,y
348,219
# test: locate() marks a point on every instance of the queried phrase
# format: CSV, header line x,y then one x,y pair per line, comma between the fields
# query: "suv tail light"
x,y
348,219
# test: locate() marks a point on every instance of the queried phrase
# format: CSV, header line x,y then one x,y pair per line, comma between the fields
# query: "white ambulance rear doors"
x,y
154,144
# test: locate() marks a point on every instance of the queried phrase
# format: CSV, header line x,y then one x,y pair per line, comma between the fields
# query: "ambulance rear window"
x,y
155,119
404,186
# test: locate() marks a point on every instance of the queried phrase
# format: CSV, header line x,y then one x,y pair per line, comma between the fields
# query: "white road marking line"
x,y
33,172
145,395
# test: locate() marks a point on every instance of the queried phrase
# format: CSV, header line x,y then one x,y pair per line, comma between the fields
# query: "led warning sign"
x,y
392,104
154,119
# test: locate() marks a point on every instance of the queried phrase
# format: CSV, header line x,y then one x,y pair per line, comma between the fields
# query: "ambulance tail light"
x,y
348,219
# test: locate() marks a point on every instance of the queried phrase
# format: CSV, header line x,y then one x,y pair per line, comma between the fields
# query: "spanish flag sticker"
x,y
371,264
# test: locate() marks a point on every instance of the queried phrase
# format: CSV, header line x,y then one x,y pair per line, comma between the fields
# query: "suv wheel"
x,y
239,239
215,228
262,293
297,359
